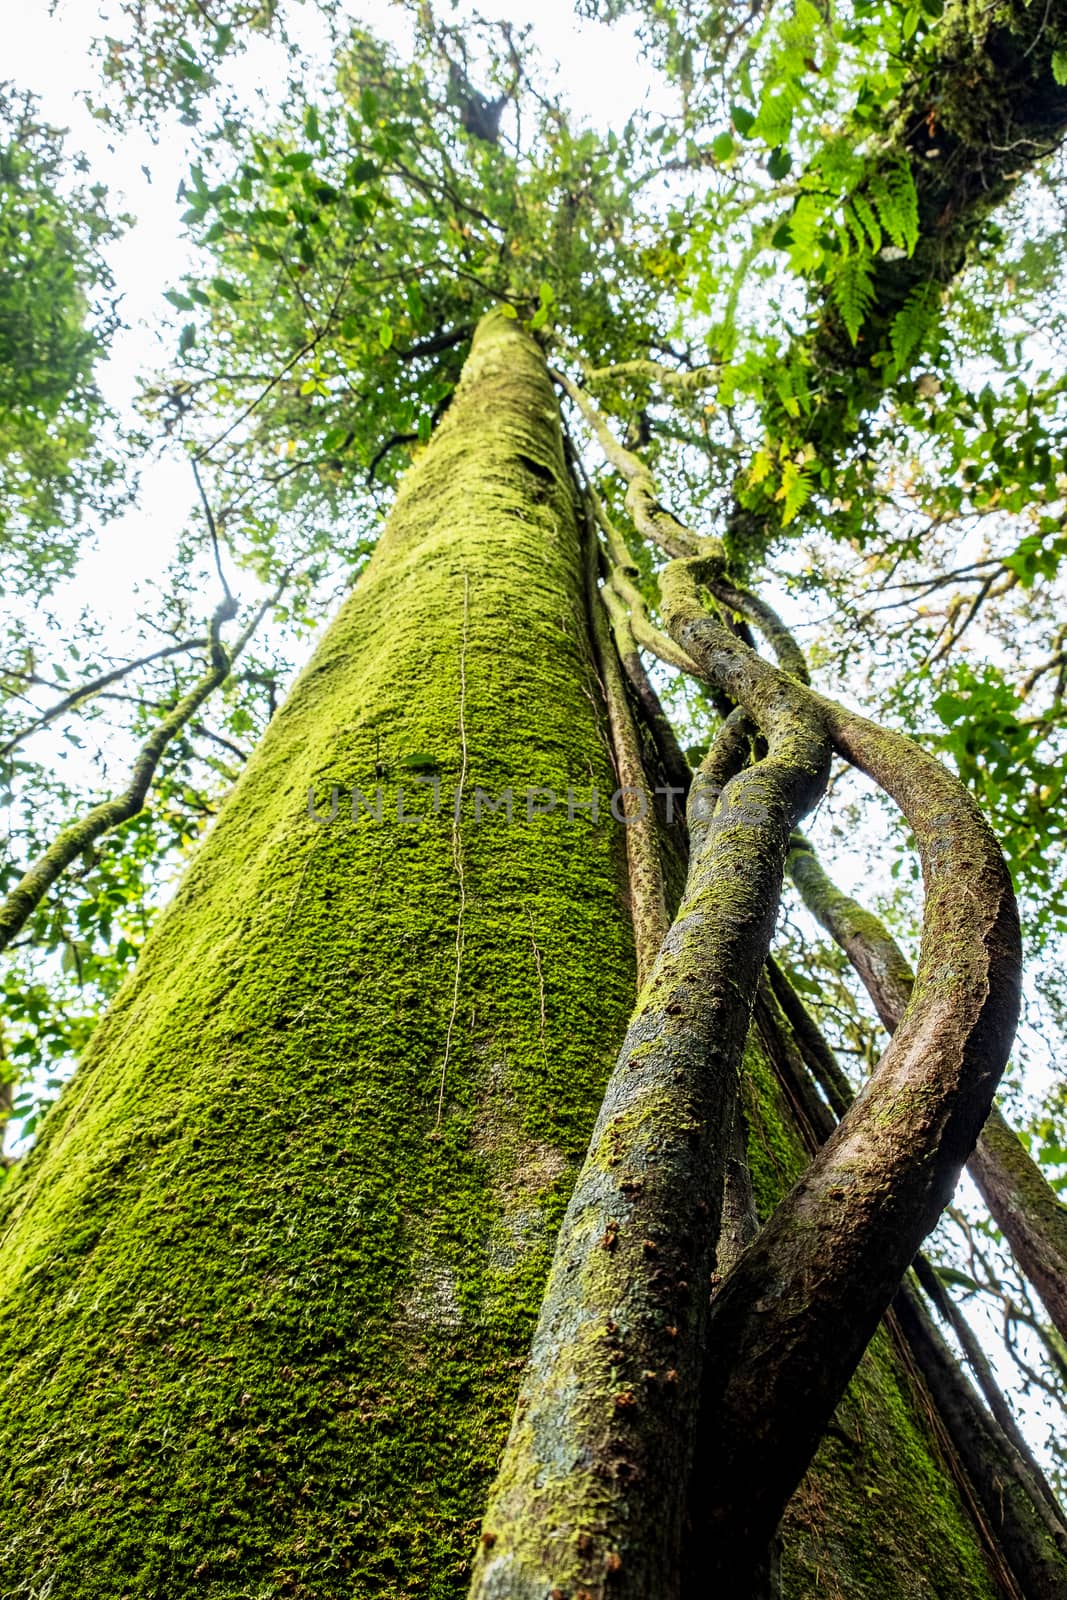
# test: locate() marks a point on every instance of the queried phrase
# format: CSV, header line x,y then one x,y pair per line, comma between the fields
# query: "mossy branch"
x,y
77,836
1027,1211
621,575
94,686
768,623
675,765
983,108
1021,1201
650,519
695,381
654,522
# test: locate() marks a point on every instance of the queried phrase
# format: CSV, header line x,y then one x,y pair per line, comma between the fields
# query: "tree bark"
x,y
269,1277
263,1318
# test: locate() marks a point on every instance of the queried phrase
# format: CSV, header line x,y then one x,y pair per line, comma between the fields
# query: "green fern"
x,y
790,384
897,204
795,490
853,292
864,211
805,223
911,325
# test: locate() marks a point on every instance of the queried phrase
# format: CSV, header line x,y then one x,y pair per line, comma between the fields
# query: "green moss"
x,y
263,1321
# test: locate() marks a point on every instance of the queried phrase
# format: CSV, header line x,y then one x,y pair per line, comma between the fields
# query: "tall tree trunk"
x,y
268,1279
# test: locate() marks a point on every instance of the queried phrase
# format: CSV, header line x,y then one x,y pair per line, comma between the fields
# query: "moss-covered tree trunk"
x,y
269,1277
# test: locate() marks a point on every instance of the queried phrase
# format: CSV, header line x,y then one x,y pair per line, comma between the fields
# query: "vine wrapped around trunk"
x,y
831,1256
1020,1199
591,1493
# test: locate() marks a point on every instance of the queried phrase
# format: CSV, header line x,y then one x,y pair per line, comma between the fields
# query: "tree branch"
x,y
95,686
77,836
1023,1204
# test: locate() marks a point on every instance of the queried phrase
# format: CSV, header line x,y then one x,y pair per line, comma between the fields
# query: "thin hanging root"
x,y
648,897
832,1255
591,1490
540,985
1022,1202
674,763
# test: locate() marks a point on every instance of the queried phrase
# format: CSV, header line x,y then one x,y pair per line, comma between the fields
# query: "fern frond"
x,y
865,212
853,235
805,221
912,323
897,204
795,490
853,292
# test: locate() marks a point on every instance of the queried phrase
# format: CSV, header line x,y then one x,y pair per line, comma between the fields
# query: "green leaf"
x,y
1059,66
853,292
956,1279
385,335
780,163
722,147
911,324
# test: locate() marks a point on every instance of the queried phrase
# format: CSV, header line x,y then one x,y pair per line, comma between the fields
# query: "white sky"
x,y
48,52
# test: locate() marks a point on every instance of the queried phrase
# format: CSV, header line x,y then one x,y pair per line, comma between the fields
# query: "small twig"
x,y
212,529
